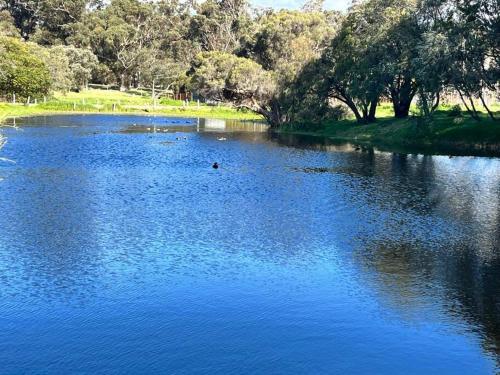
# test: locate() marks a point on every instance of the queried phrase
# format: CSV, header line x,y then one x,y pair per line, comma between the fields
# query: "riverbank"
x,y
444,134
116,102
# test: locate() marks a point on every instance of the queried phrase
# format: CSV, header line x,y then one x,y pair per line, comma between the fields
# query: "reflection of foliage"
x,y
412,276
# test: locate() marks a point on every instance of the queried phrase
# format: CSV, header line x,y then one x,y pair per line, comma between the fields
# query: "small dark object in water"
x,y
215,165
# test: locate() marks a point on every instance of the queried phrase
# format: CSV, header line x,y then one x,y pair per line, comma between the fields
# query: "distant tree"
x,y
470,29
82,64
49,18
162,74
284,43
57,62
21,71
225,77
120,35
7,27
25,15
220,25
173,40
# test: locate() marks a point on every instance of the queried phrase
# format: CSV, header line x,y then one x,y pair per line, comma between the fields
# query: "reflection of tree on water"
x,y
410,276
454,262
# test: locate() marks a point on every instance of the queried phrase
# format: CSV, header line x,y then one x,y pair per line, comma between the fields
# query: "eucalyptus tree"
x,y
25,15
351,69
120,34
401,36
375,55
225,77
174,40
283,44
220,25
259,77
162,73
50,19
471,30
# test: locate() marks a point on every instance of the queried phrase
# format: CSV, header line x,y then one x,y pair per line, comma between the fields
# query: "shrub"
x,y
455,111
21,71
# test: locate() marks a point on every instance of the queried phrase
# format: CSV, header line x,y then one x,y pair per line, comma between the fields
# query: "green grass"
x,y
442,134
112,101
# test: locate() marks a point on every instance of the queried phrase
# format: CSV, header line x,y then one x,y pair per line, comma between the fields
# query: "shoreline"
x,y
442,135
442,149
5,115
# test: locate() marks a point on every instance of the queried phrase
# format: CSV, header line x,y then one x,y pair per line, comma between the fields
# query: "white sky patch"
x,y
297,4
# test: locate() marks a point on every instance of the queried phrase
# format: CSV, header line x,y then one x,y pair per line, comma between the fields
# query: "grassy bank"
x,y
443,134
112,101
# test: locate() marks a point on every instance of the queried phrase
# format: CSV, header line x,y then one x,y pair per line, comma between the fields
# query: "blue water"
x,y
123,251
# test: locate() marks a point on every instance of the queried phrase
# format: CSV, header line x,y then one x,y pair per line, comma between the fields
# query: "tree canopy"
x,y
288,65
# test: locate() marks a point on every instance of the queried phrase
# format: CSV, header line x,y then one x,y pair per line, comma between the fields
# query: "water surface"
x,y
123,251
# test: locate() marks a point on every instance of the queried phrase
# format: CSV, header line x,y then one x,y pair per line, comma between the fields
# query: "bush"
x,y
314,112
455,111
22,72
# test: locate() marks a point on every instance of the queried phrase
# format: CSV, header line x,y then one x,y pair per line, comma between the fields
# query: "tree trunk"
x,y
436,104
465,104
486,107
401,110
373,110
402,97
124,83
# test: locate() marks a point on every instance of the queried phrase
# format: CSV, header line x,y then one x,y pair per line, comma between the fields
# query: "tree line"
x,y
287,65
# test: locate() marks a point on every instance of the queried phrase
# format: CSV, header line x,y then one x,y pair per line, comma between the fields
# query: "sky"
x,y
296,4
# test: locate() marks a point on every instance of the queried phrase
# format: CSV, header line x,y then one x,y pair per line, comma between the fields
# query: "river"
x,y
123,251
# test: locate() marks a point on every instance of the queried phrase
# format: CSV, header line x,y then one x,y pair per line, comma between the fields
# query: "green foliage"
x,y
120,34
287,65
57,62
455,111
221,76
7,27
21,71
49,19
220,25
82,64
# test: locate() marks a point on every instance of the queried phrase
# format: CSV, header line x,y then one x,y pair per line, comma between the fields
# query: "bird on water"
x,y
215,165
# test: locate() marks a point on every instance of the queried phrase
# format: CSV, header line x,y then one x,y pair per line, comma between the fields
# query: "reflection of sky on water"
x,y
120,246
